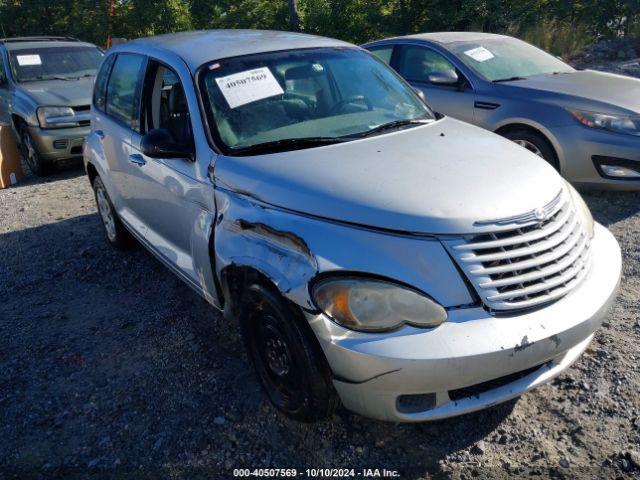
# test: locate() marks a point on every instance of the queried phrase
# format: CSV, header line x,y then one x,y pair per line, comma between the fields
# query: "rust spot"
x,y
524,344
555,339
287,239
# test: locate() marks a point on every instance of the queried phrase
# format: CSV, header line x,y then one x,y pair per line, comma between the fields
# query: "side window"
x,y
417,63
383,52
99,89
165,103
122,89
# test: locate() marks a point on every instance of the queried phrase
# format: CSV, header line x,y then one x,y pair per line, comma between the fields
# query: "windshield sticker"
x,y
26,60
479,54
246,87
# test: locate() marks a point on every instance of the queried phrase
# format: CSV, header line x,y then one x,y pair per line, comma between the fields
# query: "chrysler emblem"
x,y
540,214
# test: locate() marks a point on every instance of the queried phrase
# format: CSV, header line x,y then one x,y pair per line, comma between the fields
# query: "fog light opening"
x,y
416,403
60,144
619,171
617,168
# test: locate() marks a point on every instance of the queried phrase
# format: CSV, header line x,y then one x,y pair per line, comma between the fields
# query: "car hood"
x,y
617,90
439,178
60,93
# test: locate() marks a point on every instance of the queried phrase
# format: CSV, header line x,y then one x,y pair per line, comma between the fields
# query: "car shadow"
x,y
609,207
63,171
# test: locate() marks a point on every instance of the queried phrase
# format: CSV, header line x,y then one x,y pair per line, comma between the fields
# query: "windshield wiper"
x,y
49,77
510,79
391,126
288,144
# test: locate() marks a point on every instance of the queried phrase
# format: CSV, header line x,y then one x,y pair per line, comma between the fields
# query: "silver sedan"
x,y
584,123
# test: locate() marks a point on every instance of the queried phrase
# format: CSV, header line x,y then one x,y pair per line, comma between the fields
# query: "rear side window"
x,y
100,87
123,89
384,53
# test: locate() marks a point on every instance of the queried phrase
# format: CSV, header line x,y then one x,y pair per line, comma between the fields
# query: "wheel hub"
x,y
29,151
530,146
277,352
106,214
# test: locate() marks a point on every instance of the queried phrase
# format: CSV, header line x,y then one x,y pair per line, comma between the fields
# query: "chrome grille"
x,y
526,264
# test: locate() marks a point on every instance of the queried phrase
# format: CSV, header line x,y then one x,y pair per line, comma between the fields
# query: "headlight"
x,y
375,305
56,117
582,210
629,124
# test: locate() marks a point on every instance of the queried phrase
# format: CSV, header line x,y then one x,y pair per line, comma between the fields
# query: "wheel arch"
x,y
92,172
537,129
235,277
17,121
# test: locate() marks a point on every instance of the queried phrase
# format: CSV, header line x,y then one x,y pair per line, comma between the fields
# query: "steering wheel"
x,y
349,100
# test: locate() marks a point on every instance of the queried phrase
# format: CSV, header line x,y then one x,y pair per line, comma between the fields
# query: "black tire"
x,y
288,360
535,143
116,232
29,151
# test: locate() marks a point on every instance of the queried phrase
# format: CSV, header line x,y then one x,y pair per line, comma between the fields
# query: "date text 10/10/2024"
x,y
316,473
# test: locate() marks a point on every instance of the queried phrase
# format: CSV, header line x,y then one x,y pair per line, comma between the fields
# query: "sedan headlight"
x,y
375,305
582,210
629,124
56,117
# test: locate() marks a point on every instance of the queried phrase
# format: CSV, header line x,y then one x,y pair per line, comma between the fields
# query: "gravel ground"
x,y
110,367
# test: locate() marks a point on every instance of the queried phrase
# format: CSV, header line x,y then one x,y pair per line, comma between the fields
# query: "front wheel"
x,y
29,151
536,144
290,364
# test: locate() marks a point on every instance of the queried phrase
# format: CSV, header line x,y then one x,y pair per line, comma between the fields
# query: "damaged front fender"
x,y
291,249
253,236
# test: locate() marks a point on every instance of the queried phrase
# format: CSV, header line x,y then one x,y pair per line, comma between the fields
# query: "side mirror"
x,y
447,77
159,143
420,93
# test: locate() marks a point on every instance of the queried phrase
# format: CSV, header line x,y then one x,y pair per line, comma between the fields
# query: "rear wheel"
x,y
536,144
290,364
29,151
116,232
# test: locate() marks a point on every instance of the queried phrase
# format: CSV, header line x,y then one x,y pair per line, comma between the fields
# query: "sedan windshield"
x,y
303,98
64,63
506,59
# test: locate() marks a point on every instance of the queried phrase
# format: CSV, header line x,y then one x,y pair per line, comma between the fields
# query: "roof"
x,y
25,43
451,37
199,47
36,38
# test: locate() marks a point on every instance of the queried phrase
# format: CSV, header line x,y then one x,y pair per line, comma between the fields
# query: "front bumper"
x,y
59,143
372,370
577,145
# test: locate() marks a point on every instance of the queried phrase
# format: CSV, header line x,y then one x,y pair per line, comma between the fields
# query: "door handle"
x,y
99,134
486,105
137,159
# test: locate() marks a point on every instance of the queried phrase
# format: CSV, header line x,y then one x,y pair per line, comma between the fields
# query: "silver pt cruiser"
x,y
412,266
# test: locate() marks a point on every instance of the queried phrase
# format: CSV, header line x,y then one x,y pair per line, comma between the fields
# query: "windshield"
x,y
498,59
54,63
297,98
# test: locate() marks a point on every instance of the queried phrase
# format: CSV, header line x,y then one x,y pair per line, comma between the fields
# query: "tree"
x,y
294,17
